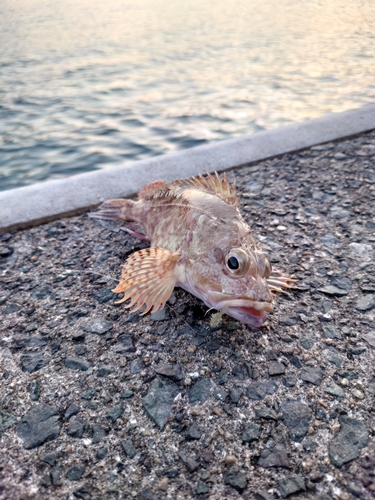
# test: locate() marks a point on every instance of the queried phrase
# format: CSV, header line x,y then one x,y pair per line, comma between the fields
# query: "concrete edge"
x,y
50,200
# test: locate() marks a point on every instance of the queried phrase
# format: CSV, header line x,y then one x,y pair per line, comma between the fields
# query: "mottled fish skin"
x,y
200,242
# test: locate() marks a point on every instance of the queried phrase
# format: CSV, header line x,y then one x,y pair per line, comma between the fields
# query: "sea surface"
x,y
88,84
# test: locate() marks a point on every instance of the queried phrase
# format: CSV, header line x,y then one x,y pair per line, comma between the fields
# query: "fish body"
x,y
199,242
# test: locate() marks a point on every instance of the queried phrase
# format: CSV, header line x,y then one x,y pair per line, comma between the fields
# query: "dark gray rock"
x,y
201,488
265,412
127,394
308,342
335,390
312,374
193,433
335,291
128,448
43,292
114,413
56,476
200,391
71,411
76,428
220,393
137,365
75,473
295,360
258,390
288,320
235,394
297,418
84,492
160,315
39,425
250,433
89,394
105,370
6,421
174,372
289,381
349,374
348,442
365,302
275,453
97,325
332,355
291,486
11,308
98,433
33,362
330,332
77,364
236,479
275,368
104,295
159,400
339,213
263,495
35,390
189,461
101,453
329,240
149,494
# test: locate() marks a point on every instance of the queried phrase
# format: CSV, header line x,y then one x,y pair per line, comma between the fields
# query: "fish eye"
x,y
268,268
237,262
233,263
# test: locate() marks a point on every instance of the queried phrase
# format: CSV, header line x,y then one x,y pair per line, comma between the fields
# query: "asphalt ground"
x,y
96,402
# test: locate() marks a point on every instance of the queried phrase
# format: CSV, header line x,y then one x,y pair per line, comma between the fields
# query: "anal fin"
x,y
148,278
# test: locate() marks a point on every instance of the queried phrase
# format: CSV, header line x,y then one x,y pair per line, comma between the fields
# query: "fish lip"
x,y
250,312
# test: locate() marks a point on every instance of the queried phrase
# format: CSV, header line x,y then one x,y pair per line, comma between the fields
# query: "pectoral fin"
x,y
148,278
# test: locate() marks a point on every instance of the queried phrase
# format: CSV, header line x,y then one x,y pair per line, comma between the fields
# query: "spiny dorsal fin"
x,y
212,184
148,278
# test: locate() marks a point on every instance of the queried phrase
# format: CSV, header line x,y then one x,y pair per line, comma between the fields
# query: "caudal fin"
x,y
114,210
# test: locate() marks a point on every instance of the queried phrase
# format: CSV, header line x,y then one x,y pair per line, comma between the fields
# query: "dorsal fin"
x,y
212,184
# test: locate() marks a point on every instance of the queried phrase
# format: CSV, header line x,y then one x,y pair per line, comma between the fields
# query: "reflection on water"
x,y
86,84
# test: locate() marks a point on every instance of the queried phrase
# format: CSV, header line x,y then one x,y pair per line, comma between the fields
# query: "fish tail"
x,y
114,210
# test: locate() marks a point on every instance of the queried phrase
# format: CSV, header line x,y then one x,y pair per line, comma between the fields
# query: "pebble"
x,y
128,448
258,390
114,413
297,418
236,479
137,365
312,375
33,362
275,368
193,433
189,461
75,473
77,364
365,302
200,391
98,433
39,425
6,421
291,486
174,372
335,390
76,428
159,400
275,453
348,442
250,433
98,326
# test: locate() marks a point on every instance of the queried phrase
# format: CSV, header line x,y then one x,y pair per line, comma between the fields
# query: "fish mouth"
x,y
250,312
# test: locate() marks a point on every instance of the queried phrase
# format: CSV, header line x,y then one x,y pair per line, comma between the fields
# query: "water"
x,y
88,84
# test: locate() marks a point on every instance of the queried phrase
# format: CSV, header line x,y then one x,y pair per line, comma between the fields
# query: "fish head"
x,y
230,275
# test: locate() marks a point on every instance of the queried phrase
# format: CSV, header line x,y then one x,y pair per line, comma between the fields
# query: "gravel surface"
x,y
96,402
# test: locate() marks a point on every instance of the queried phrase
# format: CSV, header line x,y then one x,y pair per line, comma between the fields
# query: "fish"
x,y
200,242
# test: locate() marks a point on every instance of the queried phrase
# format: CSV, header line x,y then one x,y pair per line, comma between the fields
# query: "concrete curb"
x,y
40,203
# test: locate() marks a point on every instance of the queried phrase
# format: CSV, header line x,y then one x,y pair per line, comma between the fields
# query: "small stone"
x,y
98,433
365,303
220,394
201,488
275,368
89,394
289,381
200,391
97,325
263,495
236,479
11,308
291,486
312,375
39,425
49,458
193,433
330,332
339,213
83,493
297,418
230,460
56,476
33,362
101,453
77,364
307,342
114,413
6,421
76,428
174,372
333,290
127,394
348,442
335,390
160,315
105,370
265,412
75,473
258,390
360,248
71,411
235,394
159,400
137,365
128,448
104,295
190,463
250,433
332,355
357,394
35,390
369,338
329,240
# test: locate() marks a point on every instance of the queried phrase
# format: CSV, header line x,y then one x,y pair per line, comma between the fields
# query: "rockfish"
x,y
199,242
